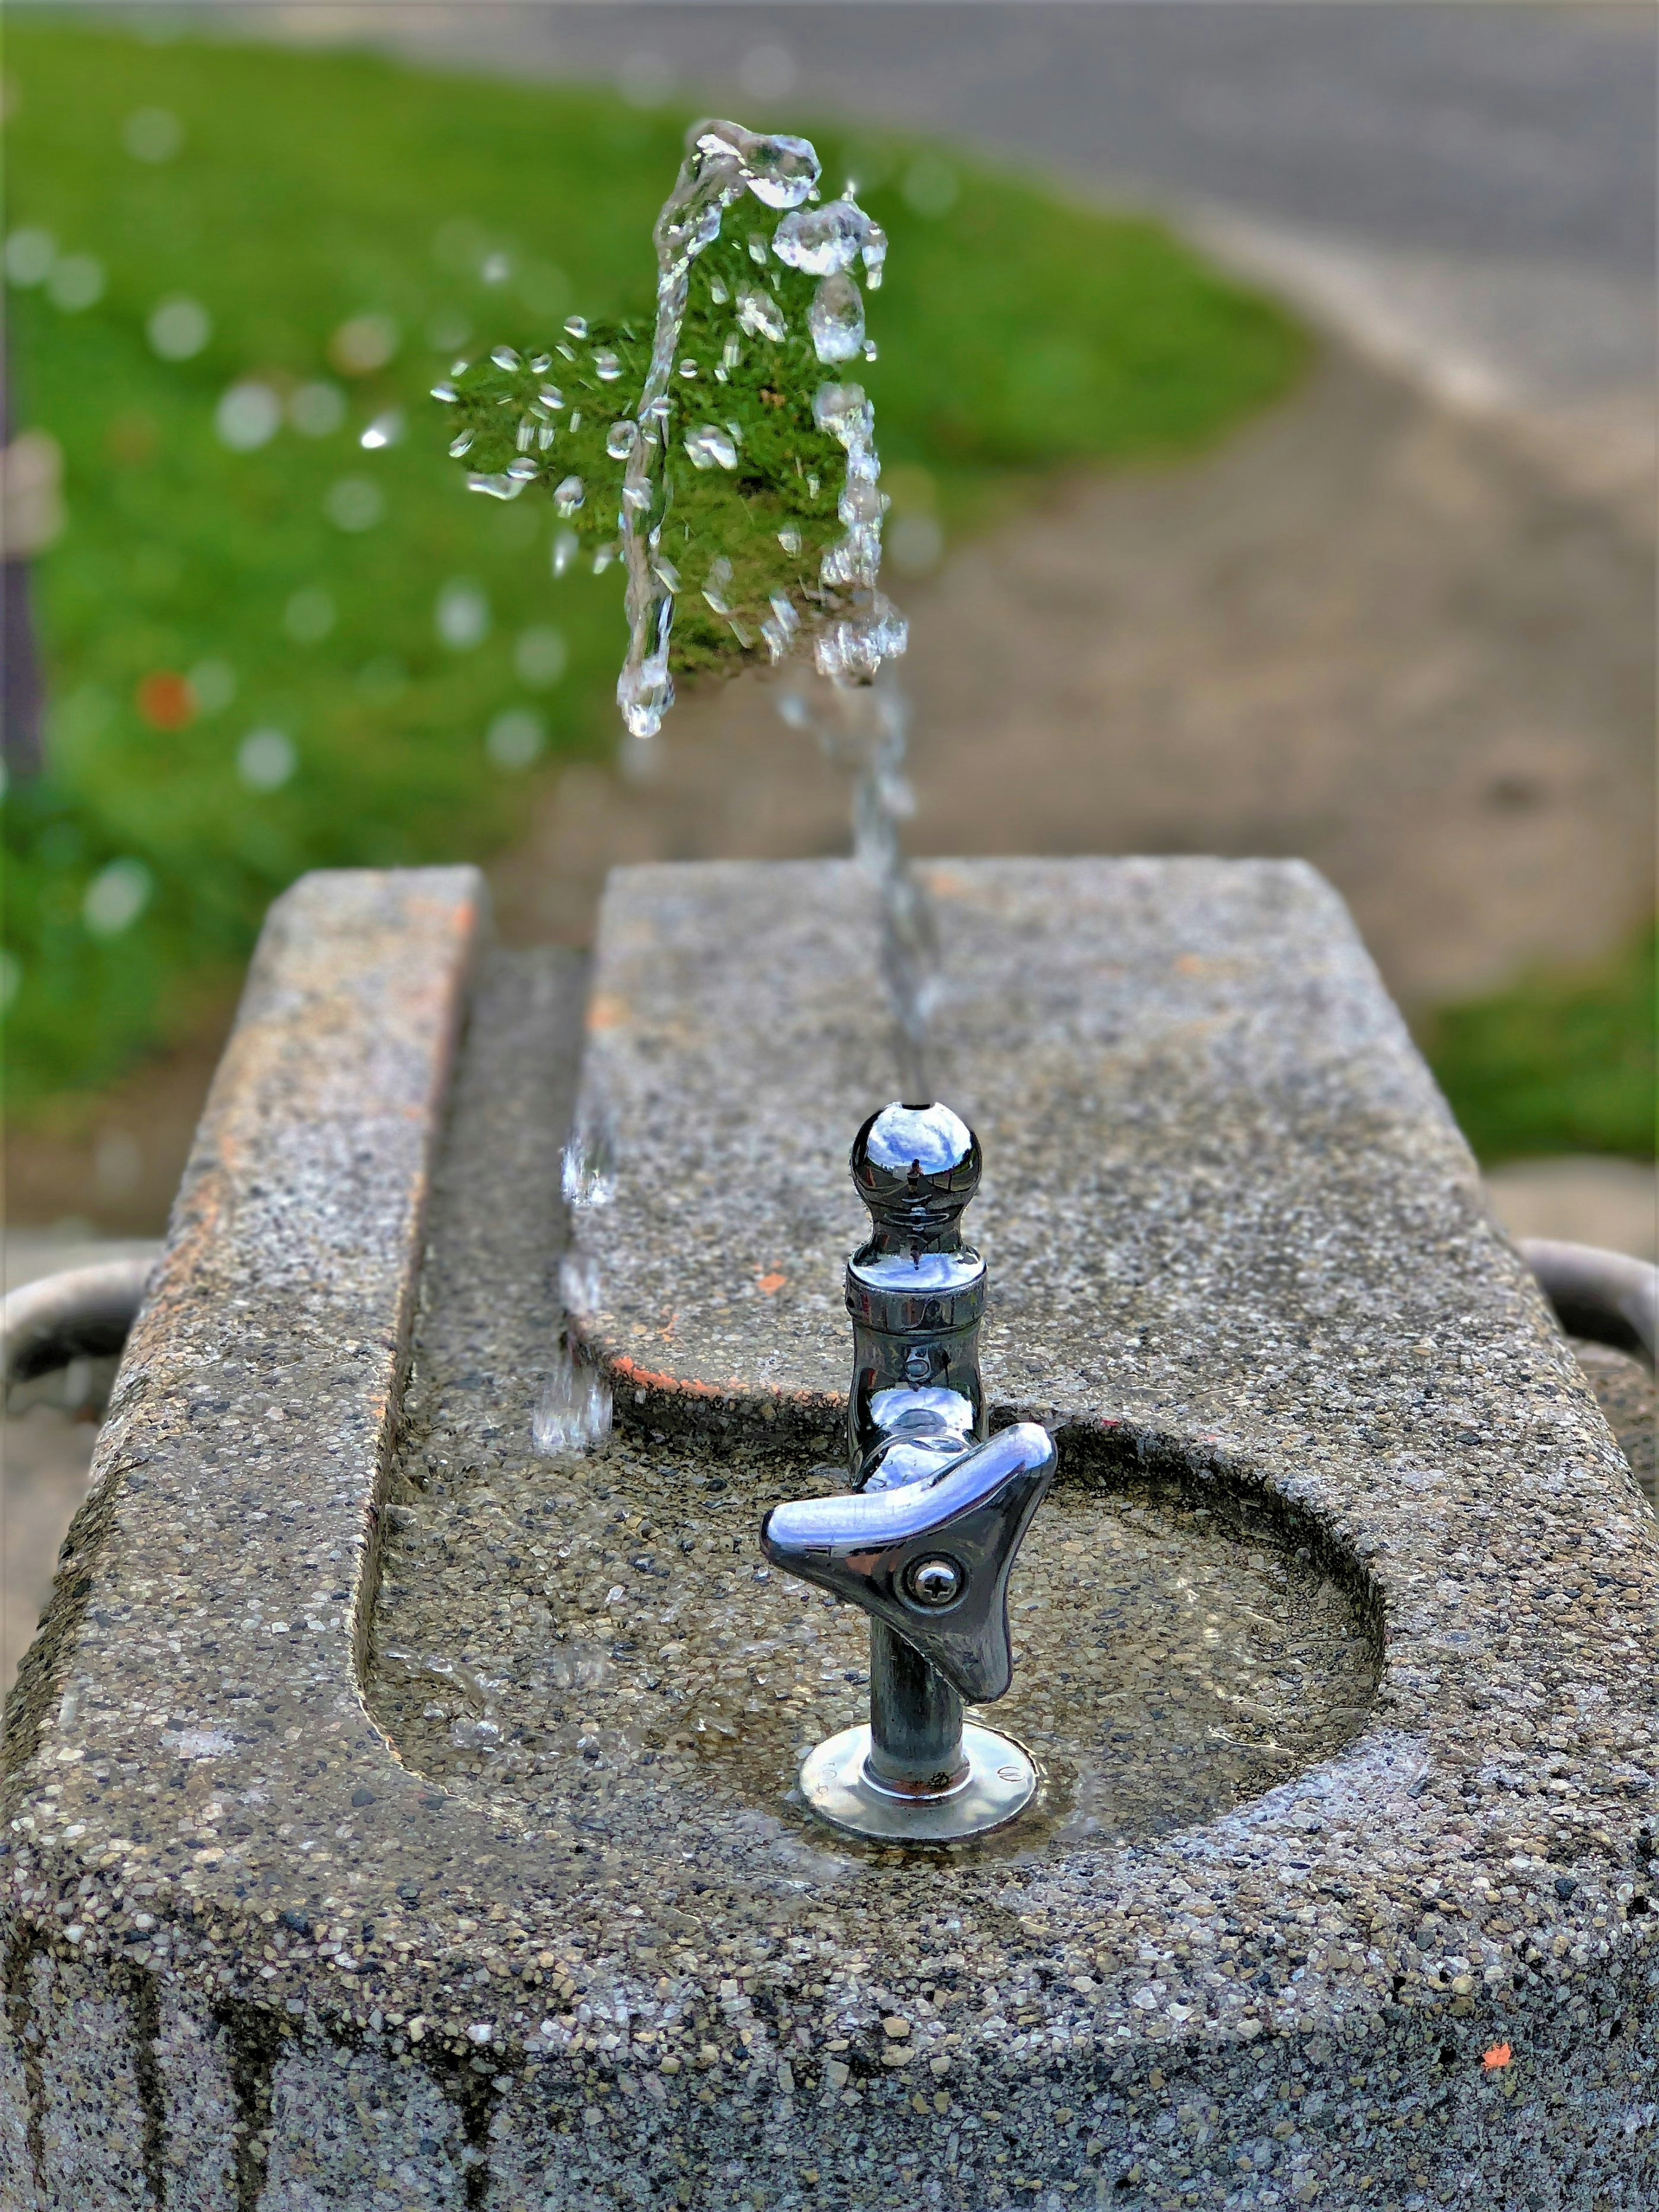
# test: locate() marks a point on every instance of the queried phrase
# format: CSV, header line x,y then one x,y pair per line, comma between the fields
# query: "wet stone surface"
x,y
595,1641
266,1949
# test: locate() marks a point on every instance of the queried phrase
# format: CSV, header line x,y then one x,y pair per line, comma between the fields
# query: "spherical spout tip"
x,y
916,1167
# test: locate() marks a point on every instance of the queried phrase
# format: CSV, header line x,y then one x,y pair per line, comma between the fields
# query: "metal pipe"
x,y
82,1313
915,1721
1605,1296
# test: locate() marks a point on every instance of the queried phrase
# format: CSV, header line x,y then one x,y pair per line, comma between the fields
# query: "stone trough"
x,y
397,1815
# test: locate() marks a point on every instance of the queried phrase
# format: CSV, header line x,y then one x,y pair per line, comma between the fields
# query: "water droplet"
x,y
462,614
309,616
353,503
248,417
568,495
588,1174
463,444
663,569
178,329
385,430
763,317
603,558
780,628
116,896
516,739
820,240
566,546
30,253
153,135
576,328
758,249
790,541
550,396
506,357
76,283
524,471
607,368
576,419
573,1412
213,682
364,344
621,440
266,759
447,392
780,171
688,368
835,319
504,485
731,354
645,693
714,590
718,292
710,447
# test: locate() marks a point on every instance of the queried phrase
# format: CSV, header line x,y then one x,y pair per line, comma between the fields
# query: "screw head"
x,y
935,1581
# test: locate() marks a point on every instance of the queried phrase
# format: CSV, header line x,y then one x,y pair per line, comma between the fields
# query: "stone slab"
x,y
414,1981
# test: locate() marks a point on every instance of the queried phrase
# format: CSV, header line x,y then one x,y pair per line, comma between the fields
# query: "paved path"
x,y
1471,189
1359,633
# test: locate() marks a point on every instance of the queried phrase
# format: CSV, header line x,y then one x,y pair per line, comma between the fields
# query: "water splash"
x,y
742,492
573,1408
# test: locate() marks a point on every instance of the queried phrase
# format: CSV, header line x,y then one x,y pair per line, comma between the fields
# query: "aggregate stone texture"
x,y
293,1921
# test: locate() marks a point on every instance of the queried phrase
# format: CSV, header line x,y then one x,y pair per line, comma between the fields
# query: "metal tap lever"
x,y
930,1560
924,1540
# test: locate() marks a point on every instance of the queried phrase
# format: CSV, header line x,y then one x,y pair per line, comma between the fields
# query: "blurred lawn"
x,y
1562,1063
350,624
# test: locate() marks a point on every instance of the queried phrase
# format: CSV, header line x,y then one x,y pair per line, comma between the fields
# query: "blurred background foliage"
x,y
1564,1062
270,646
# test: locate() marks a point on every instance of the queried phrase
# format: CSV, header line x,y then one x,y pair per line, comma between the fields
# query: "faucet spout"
x,y
926,1539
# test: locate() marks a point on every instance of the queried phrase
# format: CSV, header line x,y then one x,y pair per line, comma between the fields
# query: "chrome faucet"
x,y
925,1541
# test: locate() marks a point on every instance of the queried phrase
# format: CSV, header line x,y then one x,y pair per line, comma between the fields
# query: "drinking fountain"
x,y
400,1810
926,1539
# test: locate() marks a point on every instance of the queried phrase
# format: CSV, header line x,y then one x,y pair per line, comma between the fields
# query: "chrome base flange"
x,y
1000,1782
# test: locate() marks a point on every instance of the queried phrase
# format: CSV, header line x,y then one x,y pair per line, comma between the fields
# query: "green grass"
x,y
1561,1063
1019,335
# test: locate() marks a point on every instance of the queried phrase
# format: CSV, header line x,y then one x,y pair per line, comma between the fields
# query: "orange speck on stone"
x,y
607,1012
770,1283
165,700
1499,2055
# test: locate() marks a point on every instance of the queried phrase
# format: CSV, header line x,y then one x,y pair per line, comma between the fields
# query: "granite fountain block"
x,y
395,1814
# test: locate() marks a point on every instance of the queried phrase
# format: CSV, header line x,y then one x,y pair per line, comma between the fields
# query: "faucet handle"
x,y
930,1560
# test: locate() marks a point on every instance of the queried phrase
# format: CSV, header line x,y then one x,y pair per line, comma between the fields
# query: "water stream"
x,y
741,490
